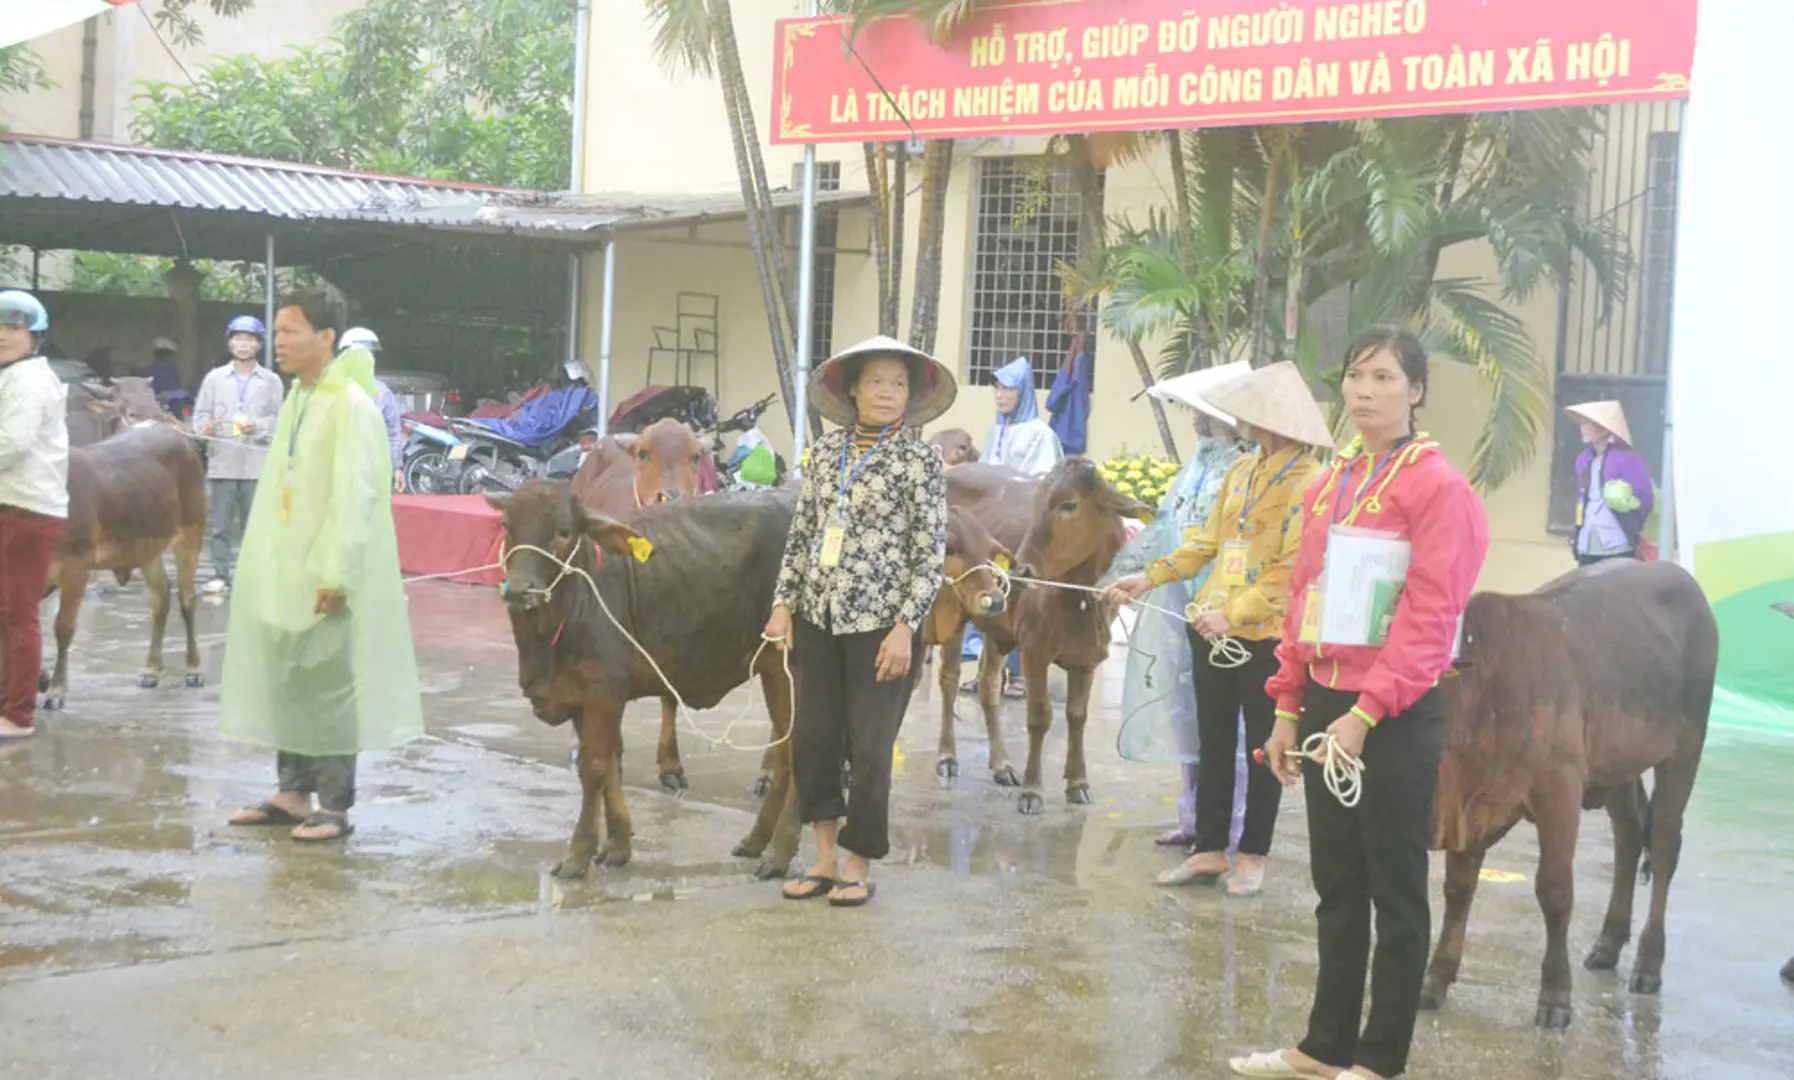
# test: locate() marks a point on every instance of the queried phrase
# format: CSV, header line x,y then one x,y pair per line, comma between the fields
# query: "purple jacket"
x,y
1622,463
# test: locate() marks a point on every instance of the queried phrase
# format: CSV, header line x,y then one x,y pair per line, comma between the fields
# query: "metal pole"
x,y
35,256
268,302
806,288
576,182
604,327
1666,510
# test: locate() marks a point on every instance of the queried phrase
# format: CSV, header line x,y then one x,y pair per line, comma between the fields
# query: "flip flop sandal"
x,y
1181,874
852,901
1242,884
270,815
1266,1065
321,818
823,885
1174,838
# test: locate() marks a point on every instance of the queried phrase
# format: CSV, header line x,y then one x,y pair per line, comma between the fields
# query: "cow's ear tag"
x,y
641,547
1000,561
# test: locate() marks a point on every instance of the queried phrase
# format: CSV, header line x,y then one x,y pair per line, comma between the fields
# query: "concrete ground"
x,y
141,938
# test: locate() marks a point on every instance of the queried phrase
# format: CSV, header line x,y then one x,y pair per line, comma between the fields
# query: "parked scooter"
x,y
428,470
753,463
491,459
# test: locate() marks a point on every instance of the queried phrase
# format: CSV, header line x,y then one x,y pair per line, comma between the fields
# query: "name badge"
x,y
833,538
1233,564
1310,633
286,498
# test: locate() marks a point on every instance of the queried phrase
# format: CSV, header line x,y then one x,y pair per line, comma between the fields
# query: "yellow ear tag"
x,y
1000,561
641,547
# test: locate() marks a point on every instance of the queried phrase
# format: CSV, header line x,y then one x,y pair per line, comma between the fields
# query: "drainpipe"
x,y
90,51
582,32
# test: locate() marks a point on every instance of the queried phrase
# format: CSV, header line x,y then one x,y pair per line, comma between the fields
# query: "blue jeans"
x,y
974,648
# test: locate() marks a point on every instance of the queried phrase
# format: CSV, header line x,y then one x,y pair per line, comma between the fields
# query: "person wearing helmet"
x,y
363,338
238,403
34,500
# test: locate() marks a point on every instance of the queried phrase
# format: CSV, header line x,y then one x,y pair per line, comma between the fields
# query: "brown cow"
x,y
1065,527
626,472
969,593
132,496
697,605
955,446
1566,697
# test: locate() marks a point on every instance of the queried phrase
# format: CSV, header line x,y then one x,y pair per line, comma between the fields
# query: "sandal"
x,y
851,901
266,814
1243,882
320,819
1185,874
1174,838
822,882
1267,1065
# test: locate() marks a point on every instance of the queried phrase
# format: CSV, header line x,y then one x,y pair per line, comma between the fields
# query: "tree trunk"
x,y
924,319
1180,188
1420,298
761,243
881,230
1261,285
1214,223
899,204
1158,408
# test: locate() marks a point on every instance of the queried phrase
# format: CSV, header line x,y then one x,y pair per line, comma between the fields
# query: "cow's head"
x,y
955,446
1076,522
971,551
544,514
666,457
121,403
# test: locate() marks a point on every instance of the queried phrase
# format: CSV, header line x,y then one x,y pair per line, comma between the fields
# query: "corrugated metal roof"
x,y
92,172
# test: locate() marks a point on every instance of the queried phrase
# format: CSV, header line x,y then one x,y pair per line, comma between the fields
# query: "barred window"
x,y
1026,223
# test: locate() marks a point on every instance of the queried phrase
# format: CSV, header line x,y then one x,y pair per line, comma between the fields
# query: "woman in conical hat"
x,y
1613,487
861,568
1250,539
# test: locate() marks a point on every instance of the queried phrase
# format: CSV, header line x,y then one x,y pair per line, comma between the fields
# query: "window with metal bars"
x,y
1025,223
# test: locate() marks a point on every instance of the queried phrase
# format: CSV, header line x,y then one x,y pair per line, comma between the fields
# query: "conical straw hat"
x,y
1275,399
1608,414
931,389
1190,388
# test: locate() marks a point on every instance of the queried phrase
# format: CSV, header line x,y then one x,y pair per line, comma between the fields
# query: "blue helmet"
x,y
246,324
20,308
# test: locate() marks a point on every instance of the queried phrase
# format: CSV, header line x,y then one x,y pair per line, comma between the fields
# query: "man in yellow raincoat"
x,y
318,664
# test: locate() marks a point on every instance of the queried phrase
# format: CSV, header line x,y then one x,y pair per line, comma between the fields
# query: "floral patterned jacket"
x,y
896,536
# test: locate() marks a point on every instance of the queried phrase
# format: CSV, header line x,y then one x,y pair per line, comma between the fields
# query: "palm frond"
x,y
682,35
1471,328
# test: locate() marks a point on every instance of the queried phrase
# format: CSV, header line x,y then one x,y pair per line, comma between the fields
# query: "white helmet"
x,y
359,335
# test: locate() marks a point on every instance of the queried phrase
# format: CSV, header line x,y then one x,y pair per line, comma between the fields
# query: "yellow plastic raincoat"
x,y
295,680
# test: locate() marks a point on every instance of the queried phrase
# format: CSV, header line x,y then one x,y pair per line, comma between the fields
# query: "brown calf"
x,y
1065,527
132,497
970,593
955,446
1566,697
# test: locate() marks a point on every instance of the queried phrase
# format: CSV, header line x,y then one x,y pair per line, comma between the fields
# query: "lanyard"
x,y
847,481
1254,501
293,435
242,382
1369,476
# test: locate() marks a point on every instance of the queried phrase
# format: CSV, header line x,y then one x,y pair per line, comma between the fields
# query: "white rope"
x,y
1223,651
1343,773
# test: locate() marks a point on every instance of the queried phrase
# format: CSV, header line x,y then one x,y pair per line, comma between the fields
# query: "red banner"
x,y
1050,66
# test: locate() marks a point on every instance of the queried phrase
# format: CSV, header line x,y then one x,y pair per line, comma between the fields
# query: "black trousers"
x,y
331,779
1372,855
845,714
1221,695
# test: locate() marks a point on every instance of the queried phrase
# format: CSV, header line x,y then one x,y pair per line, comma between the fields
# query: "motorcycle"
x,y
427,448
753,464
491,461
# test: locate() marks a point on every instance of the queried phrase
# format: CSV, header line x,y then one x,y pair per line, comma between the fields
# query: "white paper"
x,y
1358,562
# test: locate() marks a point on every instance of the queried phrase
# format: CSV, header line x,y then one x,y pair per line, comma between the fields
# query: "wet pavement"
x,y
140,937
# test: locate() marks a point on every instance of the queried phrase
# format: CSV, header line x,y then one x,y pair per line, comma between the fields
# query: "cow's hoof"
x,y
771,870
1788,973
748,849
1646,982
148,682
53,703
946,768
617,857
1004,776
43,682
1553,1017
762,787
572,869
1031,803
1603,957
1080,795
194,682
673,782
1431,1000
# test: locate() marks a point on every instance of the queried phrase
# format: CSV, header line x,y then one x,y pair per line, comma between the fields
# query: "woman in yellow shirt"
x,y
1251,537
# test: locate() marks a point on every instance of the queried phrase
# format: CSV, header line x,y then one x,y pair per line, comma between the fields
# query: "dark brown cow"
x,y
1566,697
697,605
625,472
132,496
955,446
1064,527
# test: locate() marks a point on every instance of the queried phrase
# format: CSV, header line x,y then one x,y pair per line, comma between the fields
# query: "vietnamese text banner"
x,y
1050,66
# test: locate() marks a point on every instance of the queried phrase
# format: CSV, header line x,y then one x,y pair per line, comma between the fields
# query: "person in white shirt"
x,y
238,403
34,500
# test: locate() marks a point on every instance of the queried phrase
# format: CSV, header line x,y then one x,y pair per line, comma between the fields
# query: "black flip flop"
x,y
858,901
271,815
326,817
823,885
